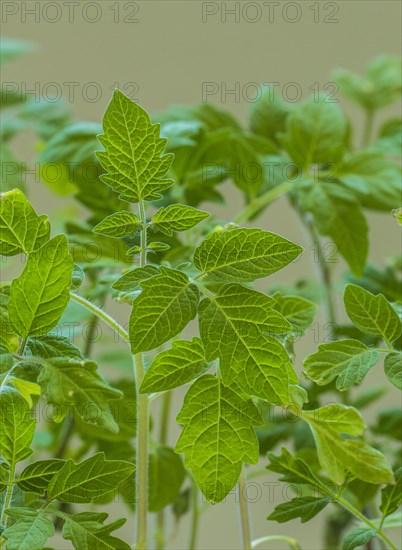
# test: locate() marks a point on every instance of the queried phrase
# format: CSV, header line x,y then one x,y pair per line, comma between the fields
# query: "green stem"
x,y
8,496
368,127
105,317
263,200
142,419
195,517
323,269
244,512
345,504
293,544
163,439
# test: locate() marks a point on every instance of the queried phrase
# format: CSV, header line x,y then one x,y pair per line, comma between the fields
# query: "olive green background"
x,y
169,53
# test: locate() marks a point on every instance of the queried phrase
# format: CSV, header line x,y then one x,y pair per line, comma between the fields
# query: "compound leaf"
x,y
36,477
41,293
218,435
244,254
304,508
133,159
87,531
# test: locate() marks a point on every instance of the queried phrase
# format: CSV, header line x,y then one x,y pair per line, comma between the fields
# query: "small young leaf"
x,y
393,368
30,531
391,495
22,230
41,293
87,531
77,277
358,537
218,435
89,480
36,477
371,314
167,303
177,217
339,455
166,476
68,382
157,246
17,425
133,158
244,254
174,367
346,360
118,225
304,508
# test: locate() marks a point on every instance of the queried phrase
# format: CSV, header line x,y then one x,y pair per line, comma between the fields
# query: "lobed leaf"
x,y
218,435
30,531
87,531
304,508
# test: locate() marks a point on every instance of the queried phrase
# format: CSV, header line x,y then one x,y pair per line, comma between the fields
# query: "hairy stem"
x,y
244,512
195,519
163,439
263,200
142,419
105,317
323,269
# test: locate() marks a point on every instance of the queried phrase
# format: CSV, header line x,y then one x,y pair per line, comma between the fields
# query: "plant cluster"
x,y
88,417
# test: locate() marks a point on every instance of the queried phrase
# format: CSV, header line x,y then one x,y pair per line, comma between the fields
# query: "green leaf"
x,y
167,303
88,480
133,156
87,531
358,537
11,49
17,426
166,473
371,314
77,277
52,345
293,469
346,360
218,435
337,214
177,217
9,340
68,382
373,179
391,495
118,225
36,477
298,311
379,86
237,325
25,388
176,366
397,213
130,281
304,508
30,531
268,115
41,293
339,455
393,368
22,230
316,132
244,254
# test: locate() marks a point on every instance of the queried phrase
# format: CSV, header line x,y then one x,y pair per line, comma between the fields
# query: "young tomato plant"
x,y
99,435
